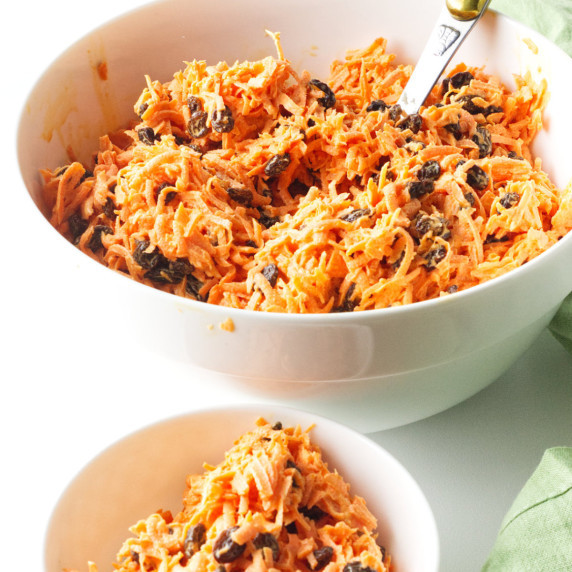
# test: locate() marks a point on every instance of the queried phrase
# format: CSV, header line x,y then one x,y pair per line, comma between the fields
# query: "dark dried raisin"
x,y
146,258
357,566
297,187
491,239
461,79
509,199
194,104
142,109
515,155
197,125
193,287
109,208
417,189
169,271
225,549
489,110
434,256
349,303
266,220
470,198
329,99
267,540
482,138
477,178
469,105
94,243
355,215
323,556
77,225
222,120
413,122
277,426
270,272
241,196
429,171
377,105
313,512
395,112
291,528
277,164
146,135
454,129
196,537
436,225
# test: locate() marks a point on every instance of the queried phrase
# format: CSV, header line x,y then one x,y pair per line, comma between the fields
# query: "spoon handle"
x,y
452,27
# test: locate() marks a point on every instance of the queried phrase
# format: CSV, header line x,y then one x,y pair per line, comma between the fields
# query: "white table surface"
x,y
62,403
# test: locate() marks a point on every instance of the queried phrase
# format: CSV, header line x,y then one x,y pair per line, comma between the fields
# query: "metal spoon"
x,y
457,19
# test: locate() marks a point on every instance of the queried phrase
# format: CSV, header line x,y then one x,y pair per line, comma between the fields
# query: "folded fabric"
x,y
536,533
552,18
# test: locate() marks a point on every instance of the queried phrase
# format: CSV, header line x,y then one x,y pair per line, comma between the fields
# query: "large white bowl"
x,y
146,471
375,369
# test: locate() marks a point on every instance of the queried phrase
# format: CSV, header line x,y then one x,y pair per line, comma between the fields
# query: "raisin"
x,y
323,556
297,187
145,258
454,129
225,549
429,171
434,256
489,110
291,528
194,104
266,220
413,122
515,155
491,238
482,138
146,135
469,105
134,556
241,196
477,178
222,120
193,287
277,164
417,189
470,198
355,215
197,125
377,105
348,303
357,566
109,208
329,99
267,540
451,290
509,199
277,426
434,224
313,512
77,225
142,109
395,112
196,537
270,272
461,79
94,243
169,271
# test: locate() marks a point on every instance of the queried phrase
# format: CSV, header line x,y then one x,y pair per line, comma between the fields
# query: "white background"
x,y
72,383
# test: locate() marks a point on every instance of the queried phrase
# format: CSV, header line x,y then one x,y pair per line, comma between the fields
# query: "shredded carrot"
x,y
254,186
271,505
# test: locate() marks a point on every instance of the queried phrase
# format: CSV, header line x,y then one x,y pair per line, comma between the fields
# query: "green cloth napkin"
x,y
553,19
536,533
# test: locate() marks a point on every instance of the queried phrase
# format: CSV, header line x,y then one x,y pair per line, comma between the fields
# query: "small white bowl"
x,y
373,370
146,471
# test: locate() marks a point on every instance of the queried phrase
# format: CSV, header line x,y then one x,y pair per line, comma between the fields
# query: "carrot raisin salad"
x,y
271,505
255,186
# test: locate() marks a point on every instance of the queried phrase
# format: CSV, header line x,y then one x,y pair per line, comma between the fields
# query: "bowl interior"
x,y
74,103
146,471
